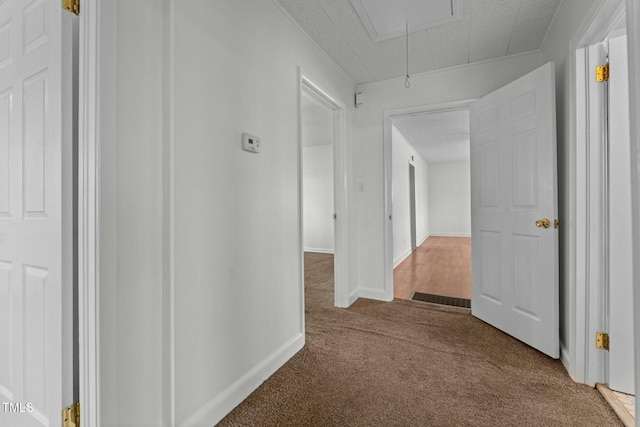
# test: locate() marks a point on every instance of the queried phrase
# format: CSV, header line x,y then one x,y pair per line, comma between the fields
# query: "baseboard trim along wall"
x,y
451,234
221,405
320,250
405,254
374,294
566,362
353,296
401,258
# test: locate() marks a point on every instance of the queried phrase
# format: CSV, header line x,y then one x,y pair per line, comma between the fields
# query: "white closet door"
x,y
36,378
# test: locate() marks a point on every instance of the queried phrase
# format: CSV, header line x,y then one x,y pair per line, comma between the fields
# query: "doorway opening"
x,y
515,244
432,208
323,196
317,147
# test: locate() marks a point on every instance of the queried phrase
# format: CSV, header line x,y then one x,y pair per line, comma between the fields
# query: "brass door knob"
x,y
543,223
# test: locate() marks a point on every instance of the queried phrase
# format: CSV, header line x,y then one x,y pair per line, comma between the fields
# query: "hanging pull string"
x,y
407,83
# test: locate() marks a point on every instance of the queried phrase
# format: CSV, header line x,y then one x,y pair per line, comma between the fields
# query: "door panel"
x,y
35,206
513,184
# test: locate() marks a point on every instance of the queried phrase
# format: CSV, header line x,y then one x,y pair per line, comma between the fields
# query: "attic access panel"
x,y
385,19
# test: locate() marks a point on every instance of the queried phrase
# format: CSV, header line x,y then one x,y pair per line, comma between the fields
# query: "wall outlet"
x,y
361,187
251,143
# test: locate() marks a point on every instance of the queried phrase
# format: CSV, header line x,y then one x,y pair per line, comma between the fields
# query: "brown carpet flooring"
x,y
409,363
439,266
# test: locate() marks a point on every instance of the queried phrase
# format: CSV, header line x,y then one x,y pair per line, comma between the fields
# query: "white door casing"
x,y
341,184
513,185
620,271
36,278
412,206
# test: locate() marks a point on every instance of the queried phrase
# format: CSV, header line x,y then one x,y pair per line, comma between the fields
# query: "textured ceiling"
x,y
437,137
486,29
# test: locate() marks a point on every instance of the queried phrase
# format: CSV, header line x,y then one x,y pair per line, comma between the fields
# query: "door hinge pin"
x,y
602,73
71,416
72,6
602,340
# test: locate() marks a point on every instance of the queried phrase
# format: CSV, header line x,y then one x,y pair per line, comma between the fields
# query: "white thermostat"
x,y
250,143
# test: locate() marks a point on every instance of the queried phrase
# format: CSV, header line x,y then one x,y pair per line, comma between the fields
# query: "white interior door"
x,y
621,359
513,192
36,300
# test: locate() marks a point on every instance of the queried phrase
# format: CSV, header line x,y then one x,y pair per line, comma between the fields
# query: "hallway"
x,y
439,266
406,363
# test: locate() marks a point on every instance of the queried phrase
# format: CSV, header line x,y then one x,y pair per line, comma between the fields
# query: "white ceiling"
x,y
486,29
438,137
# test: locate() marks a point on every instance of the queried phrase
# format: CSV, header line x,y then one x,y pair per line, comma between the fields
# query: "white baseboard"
x,y
401,258
445,234
565,358
375,294
217,408
404,255
320,250
353,296
424,239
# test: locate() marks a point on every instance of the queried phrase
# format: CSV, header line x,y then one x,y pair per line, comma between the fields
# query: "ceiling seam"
x,y
552,24
345,41
468,32
449,69
515,22
433,60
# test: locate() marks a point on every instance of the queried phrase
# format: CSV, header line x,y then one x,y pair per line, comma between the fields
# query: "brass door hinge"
x,y
72,6
602,73
602,340
71,416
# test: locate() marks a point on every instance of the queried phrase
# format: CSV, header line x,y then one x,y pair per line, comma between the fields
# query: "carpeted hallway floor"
x,y
408,363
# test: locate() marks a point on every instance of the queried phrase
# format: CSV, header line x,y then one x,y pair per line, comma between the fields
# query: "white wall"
x,y
238,306
401,156
450,199
317,196
200,268
455,84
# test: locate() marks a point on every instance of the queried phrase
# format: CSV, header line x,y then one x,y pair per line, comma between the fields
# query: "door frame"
x,y
633,33
588,364
340,189
96,37
389,115
412,204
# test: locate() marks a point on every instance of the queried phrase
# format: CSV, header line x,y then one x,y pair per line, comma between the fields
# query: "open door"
x,y
36,261
514,210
